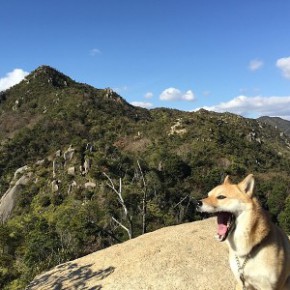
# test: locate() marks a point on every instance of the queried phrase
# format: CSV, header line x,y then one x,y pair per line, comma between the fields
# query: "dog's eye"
x,y
221,197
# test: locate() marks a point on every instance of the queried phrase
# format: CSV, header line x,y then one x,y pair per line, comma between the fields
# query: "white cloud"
x,y
120,90
206,93
12,78
255,64
94,52
284,65
148,95
188,96
255,106
146,105
173,94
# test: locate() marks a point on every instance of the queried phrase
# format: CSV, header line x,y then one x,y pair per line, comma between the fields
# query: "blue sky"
x,y
185,54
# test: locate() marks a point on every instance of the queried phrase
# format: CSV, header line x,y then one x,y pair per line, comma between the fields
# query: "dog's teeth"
x,y
218,237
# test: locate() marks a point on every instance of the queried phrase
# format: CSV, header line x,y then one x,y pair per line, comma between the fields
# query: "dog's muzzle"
x,y
225,221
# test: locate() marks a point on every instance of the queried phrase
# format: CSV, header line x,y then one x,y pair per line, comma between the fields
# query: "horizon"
x,y
20,77
184,55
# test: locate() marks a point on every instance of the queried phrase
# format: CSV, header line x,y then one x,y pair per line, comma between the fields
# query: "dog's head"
x,y
228,201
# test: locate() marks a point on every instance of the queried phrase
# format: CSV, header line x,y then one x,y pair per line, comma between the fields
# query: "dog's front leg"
x,y
239,287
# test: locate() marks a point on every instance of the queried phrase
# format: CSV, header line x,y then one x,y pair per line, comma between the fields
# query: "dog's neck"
x,y
252,226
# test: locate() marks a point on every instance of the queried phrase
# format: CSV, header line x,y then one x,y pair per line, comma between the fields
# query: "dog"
x,y
259,251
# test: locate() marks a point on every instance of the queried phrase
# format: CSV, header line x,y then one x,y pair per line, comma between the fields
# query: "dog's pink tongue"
x,y
222,220
222,229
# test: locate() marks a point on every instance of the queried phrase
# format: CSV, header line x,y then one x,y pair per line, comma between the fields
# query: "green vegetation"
x,y
70,134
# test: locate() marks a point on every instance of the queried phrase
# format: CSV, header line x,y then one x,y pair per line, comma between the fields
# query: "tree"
x,y
284,217
144,199
277,198
127,216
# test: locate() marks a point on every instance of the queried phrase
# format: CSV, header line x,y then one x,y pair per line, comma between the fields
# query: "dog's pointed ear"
x,y
247,185
227,180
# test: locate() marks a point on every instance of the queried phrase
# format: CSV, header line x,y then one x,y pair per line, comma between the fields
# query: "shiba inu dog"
x,y
259,252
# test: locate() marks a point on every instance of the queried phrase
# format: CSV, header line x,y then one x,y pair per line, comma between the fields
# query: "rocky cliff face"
x,y
178,257
7,201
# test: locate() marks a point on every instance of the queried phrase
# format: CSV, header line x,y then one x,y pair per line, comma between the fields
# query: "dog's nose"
x,y
199,203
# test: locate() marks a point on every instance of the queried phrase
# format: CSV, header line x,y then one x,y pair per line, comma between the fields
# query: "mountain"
x,y
279,123
179,257
82,170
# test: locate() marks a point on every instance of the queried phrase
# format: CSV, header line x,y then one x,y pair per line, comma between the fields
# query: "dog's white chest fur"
x,y
239,240
253,274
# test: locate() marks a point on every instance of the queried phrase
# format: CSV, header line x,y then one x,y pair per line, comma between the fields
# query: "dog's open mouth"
x,y
225,221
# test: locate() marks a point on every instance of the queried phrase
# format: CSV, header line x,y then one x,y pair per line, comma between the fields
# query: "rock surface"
x,y
178,257
7,201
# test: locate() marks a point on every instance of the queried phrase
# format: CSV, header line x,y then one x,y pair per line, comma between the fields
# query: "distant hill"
x,y
82,170
279,123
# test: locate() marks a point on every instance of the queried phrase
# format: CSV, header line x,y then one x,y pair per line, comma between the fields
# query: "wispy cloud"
x,y
284,65
12,78
173,94
95,51
146,105
121,90
255,64
255,106
148,95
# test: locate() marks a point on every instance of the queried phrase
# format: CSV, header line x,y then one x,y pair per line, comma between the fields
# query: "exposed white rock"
x,y
54,185
20,170
87,166
89,147
180,257
177,128
8,199
56,164
109,92
71,171
90,185
71,186
68,154
40,162
16,105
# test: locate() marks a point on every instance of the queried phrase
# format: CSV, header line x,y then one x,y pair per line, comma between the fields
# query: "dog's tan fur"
x,y
255,238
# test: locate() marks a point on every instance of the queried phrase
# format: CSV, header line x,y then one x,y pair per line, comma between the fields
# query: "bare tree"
x,y
144,200
118,191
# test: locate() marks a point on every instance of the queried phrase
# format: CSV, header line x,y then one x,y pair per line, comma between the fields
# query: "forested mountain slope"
x,y
281,124
81,169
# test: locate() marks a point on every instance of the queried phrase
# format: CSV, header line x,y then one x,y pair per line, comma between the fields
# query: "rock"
x,y
8,199
180,257
89,147
71,186
56,166
87,166
108,93
177,128
16,105
40,162
54,185
90,185
71,171
20,170
68,154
